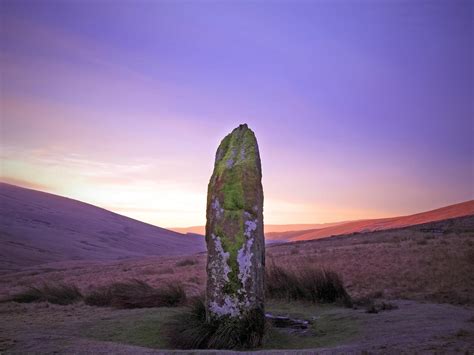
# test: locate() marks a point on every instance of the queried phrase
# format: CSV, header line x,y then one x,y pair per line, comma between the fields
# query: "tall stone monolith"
x,y
234,230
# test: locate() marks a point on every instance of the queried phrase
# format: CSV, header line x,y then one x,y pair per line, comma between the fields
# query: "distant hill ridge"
x,y
38,227
457,210
295,232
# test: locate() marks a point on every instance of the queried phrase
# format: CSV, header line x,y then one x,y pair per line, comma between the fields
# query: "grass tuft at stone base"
x,y
191,330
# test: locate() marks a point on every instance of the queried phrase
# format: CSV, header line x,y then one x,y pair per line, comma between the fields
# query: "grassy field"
x,y
138,328
431,262
331,326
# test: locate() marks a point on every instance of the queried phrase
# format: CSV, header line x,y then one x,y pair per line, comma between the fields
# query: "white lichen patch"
x,y
219,267
219,270
250,226
244,259
216,206
230,307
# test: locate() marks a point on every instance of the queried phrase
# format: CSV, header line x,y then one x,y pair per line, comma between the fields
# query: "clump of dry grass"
x,y
136,294
462,333
186,262
58,294
191,330
305,283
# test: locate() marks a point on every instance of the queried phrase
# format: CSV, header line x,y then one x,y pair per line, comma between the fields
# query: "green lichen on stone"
x,y
232,246
233,192
240,140
235,156
235,165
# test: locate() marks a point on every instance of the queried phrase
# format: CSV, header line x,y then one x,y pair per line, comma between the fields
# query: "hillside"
x,y
368,225
425,261
295,232
37,228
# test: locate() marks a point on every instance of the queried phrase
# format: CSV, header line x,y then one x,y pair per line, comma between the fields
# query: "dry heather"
x,y
427,262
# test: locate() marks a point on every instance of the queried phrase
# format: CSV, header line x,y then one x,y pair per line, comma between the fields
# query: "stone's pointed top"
x,y
241,127
237,149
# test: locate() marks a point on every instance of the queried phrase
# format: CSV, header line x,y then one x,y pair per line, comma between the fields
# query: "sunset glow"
x,y
124,109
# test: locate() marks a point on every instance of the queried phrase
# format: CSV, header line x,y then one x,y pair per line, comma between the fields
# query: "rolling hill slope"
x,y
37,227
294,232
369,225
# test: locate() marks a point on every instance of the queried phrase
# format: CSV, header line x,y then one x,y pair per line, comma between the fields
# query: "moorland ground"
x,y
425,271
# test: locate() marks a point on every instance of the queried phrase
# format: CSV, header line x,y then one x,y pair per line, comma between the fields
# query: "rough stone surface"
x,y
234,229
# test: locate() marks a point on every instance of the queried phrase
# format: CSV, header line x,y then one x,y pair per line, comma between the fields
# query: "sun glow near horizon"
x,y
134,191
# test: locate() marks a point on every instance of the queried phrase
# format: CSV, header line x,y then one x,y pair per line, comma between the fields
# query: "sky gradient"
x,y
361,109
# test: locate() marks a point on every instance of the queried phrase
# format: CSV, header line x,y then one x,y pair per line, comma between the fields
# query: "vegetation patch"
x,y
191,330
141,327
136,294
129,294
186,262
307,284
58,294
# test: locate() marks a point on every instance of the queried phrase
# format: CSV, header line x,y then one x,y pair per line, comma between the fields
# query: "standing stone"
x,y
234,230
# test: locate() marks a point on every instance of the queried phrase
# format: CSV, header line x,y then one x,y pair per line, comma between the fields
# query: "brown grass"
x,y
61,294
391,263
405,263
305,282
186,262
136,294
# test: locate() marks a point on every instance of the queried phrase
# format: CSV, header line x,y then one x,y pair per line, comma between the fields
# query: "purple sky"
x,y
361,108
